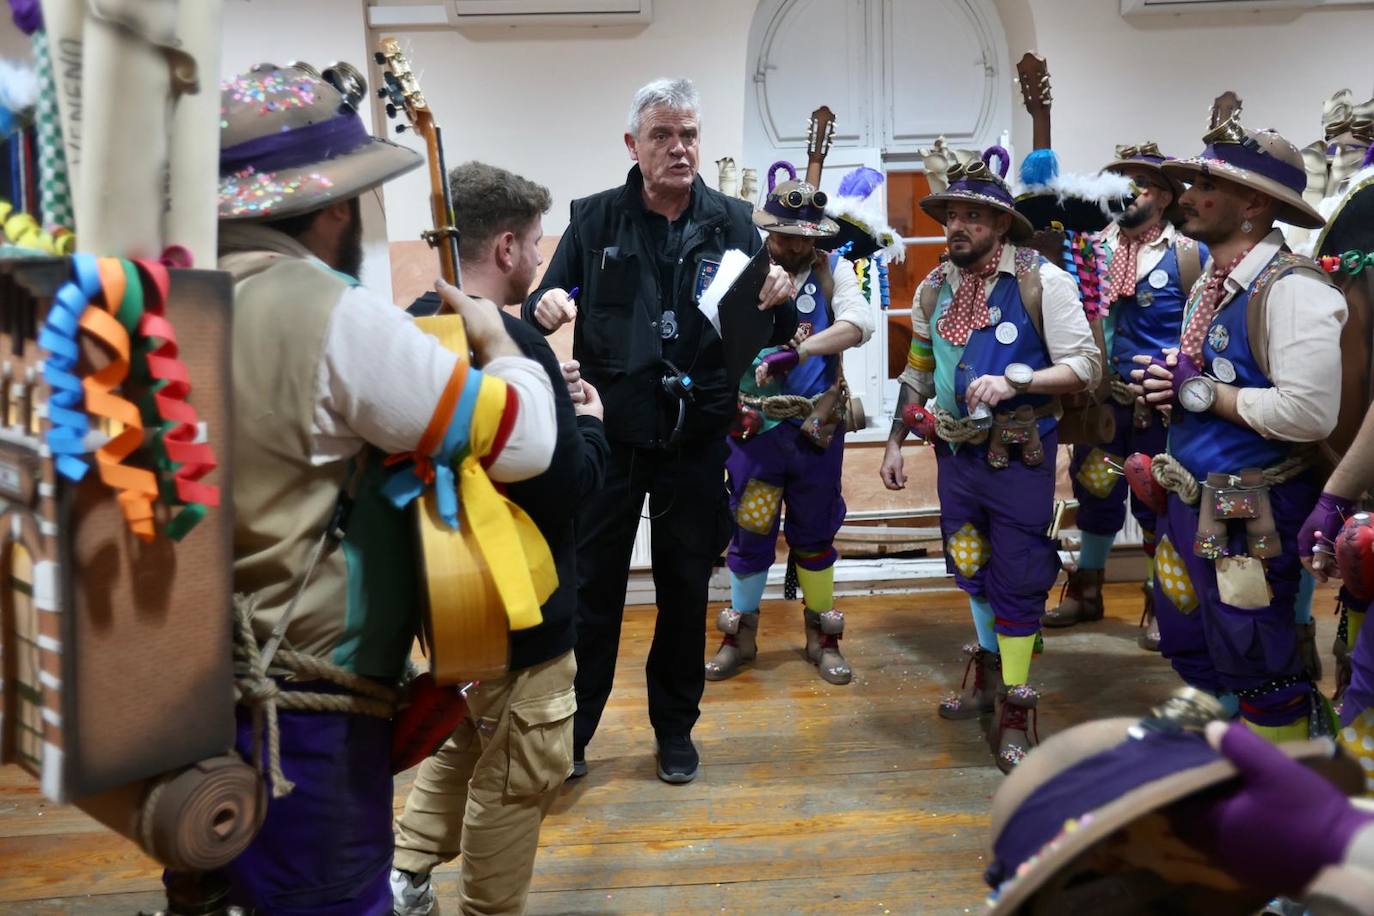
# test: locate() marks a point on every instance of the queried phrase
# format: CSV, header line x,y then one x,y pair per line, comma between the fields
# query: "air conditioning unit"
x,y
483,13
1141,8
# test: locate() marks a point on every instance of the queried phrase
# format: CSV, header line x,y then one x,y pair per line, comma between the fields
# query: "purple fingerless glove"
x,y
781,362
1185,370
1281,826
1328,516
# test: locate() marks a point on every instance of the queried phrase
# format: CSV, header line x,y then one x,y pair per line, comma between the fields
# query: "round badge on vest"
x,y
1159,278
1224,370
1145,299
1007,333
1219,337
806,303
809,289
994,314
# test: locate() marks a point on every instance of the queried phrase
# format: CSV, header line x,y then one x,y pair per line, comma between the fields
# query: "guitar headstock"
x,y
820,133
401,89
1224,107
1033,75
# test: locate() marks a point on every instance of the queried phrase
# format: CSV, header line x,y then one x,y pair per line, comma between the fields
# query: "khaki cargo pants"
x,y
484,794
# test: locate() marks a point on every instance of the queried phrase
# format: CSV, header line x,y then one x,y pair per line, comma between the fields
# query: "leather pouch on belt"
x,y
1241,583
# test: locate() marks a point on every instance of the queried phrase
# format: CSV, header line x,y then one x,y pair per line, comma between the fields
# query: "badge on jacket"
x,y
706,272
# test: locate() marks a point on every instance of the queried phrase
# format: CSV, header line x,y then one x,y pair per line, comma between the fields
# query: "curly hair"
x,y
488,201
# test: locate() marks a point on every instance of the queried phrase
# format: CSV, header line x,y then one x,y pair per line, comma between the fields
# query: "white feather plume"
x,y
18,85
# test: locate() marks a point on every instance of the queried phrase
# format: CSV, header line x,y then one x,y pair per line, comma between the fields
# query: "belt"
x,y
1174,477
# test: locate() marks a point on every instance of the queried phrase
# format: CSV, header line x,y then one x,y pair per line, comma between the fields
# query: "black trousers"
x,y
690,527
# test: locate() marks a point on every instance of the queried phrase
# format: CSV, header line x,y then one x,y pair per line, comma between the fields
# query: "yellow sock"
x,y
818,587
1353,621
1149,570
1278,734
1016,657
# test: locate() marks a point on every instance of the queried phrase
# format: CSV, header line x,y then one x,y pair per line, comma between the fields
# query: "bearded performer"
x,y
998,334
1151,266
328,378
782,455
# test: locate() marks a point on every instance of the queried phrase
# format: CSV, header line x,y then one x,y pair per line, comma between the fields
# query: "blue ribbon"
x,y
403,487
67,420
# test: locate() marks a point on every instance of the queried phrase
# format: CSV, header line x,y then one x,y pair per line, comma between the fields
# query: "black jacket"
x,y
608,252
552,498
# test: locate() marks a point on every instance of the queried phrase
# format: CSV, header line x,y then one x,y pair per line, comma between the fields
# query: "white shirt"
x,y
1068,338
1304,318
381,377
1150,255
848,303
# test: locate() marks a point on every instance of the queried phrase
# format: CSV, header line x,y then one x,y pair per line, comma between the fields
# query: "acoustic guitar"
x,y
466,630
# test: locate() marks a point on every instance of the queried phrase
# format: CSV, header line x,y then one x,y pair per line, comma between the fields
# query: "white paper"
x,y
732,264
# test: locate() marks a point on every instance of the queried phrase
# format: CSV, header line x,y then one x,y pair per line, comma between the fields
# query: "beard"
x,y
350,256
794,262
977,251
1137,215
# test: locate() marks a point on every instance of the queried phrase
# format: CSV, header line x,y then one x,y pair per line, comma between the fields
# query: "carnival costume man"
x,y
1252,385
329,377
1150,267
998,334
787,447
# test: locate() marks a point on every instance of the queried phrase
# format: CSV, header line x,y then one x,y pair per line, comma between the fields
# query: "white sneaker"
x,y
412,895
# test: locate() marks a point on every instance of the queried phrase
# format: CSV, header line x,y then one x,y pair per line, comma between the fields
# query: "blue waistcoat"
x,y
984,354
815,375
1150,320
1206,442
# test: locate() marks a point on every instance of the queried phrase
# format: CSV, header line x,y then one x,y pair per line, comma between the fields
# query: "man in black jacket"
x,y
487,789
635,260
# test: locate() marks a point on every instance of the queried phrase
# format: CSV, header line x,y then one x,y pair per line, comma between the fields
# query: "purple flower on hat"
x,y
28,15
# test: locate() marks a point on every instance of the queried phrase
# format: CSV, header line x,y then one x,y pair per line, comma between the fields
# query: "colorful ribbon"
x,y
188,459
464,429
136,487
67,421
1353,262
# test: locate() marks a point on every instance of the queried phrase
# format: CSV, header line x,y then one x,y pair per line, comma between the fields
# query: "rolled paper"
x,y
195,819
193,218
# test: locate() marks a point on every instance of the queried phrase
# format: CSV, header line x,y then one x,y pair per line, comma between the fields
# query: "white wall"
x,y
550,104
1118,81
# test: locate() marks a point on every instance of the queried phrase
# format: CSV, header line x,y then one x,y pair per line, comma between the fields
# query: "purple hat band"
x,y
807,213
982,189
1089,785
289,149
1252,160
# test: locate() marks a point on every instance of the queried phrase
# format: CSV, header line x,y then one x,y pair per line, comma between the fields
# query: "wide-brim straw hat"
x,y
1258,159
1082,825
291,143
804,216
976,183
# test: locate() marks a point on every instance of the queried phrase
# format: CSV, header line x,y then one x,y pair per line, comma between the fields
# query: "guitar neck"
x,y
441,207
1040,130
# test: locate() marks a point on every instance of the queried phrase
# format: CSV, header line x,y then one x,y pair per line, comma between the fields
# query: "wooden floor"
x,y
811,798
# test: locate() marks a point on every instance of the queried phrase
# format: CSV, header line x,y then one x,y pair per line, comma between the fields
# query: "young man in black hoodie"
x,y
485,792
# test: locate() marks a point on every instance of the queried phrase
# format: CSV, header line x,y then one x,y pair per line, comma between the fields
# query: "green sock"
x,y
818,587
1016,657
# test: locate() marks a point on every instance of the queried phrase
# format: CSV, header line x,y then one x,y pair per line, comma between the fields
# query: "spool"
x,y
196,819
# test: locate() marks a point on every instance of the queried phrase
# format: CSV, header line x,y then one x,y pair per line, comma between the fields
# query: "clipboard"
x,y
744,329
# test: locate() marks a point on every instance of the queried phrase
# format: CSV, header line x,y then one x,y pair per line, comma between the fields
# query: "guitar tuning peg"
x,y
381,93
401,128
380,58
390,110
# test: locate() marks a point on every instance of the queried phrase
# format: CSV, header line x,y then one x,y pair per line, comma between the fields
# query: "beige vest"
x,y
359,609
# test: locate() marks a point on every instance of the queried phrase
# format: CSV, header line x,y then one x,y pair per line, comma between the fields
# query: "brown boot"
x,y
980,697
1307,650
823,632
1080,601
1149,624
1017,726
739,645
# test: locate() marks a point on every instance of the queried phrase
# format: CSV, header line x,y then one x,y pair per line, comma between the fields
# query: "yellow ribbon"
x,y
516,553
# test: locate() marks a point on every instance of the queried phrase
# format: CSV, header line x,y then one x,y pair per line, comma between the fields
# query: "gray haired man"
x,y
641,254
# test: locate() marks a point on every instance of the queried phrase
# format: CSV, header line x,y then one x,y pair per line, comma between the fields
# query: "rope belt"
x,y
961,430
789,406
1121,391
1175,478
264,695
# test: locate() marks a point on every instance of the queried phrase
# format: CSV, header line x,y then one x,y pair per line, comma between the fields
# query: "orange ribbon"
x,y
136,487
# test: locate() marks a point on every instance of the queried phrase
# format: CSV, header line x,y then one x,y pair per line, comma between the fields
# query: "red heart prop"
x,y
920,421
1143,483
1355,555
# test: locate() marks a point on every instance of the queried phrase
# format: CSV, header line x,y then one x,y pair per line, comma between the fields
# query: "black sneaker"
x,y
677,759
579,764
